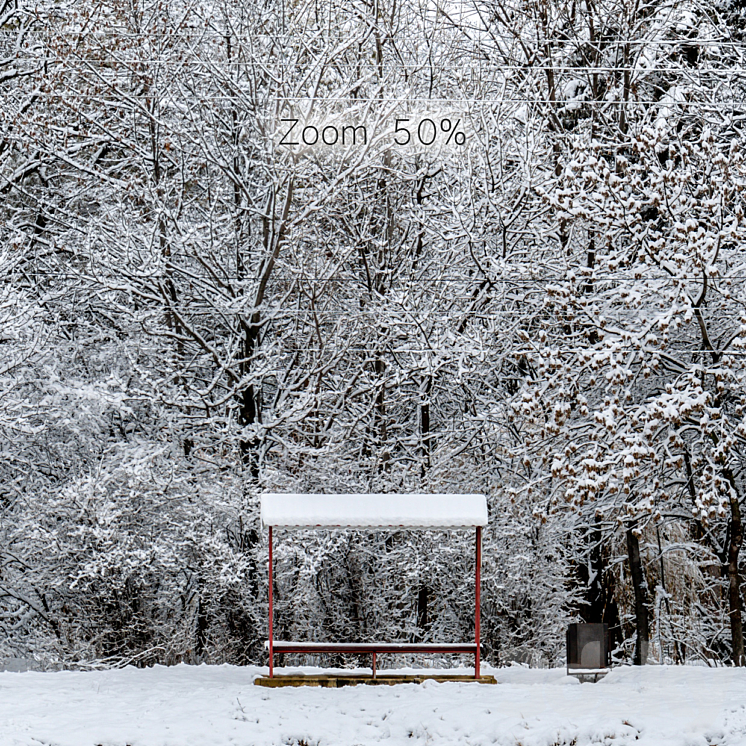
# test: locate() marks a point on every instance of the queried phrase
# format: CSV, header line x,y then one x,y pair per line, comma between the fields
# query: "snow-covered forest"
x,y
552,314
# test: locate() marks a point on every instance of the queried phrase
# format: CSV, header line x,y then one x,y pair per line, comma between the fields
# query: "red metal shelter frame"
x,y
377,648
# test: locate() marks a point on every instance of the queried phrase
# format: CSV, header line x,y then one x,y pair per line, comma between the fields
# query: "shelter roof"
x,y
376,510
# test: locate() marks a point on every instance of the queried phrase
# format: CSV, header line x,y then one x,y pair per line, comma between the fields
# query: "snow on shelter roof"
x,y
389,510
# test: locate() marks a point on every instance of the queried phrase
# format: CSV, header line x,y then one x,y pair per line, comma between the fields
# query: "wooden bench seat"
x,y
372,648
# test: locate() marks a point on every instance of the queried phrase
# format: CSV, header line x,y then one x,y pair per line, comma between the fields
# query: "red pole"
x,y
477,599
271,609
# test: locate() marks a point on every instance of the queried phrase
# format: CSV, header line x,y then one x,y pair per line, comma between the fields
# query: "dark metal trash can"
x,y
587,646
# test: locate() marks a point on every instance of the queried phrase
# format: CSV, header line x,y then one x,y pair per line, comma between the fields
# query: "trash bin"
x,y
587,647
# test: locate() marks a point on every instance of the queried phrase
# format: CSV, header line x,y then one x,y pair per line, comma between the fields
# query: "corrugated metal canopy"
x,y
378,510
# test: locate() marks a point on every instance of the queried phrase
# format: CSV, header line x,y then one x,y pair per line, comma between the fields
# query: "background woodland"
x,y
553,315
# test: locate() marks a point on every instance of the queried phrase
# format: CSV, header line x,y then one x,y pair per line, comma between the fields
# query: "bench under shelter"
x,y
380,512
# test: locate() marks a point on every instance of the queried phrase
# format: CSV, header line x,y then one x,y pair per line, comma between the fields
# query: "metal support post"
x,y
477,599
271,609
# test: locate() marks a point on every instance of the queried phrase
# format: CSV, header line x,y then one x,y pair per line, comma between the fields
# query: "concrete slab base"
x,y
337,680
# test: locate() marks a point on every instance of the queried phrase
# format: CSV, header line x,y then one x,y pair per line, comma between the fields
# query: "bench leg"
x,y
374,665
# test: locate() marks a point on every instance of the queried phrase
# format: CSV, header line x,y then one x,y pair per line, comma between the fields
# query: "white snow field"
x,y
211,705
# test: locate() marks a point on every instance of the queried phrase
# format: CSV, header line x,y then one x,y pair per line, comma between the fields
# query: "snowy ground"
x,y
211,705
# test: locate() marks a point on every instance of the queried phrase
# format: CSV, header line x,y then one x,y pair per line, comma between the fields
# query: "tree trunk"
x,y
380,417
249,414
423,622
734,582
599,606
202,624
425,438
640,586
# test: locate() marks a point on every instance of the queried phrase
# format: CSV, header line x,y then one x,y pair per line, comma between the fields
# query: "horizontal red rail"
x,y
372,647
